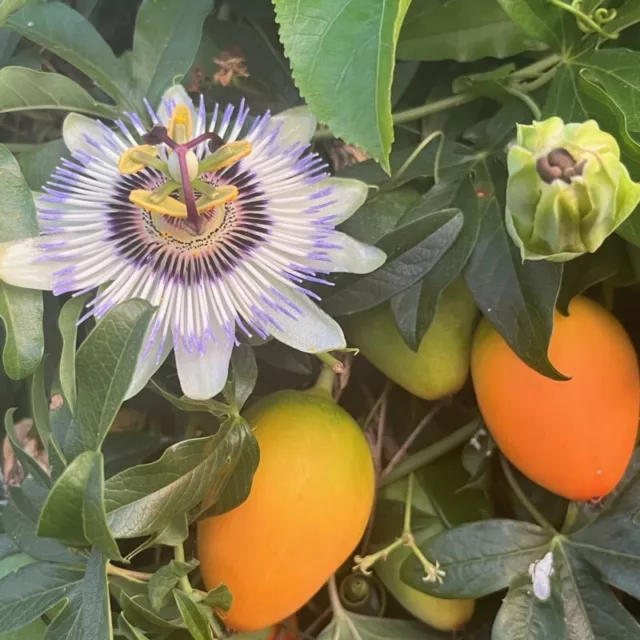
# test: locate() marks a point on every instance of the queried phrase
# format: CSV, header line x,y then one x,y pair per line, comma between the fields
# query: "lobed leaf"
x,y
345,50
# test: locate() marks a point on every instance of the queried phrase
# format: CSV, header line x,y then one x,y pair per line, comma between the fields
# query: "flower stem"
x,y
535,513
330,361
178,554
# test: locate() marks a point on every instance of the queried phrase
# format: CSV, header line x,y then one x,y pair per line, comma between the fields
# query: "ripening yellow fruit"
x,y
310,501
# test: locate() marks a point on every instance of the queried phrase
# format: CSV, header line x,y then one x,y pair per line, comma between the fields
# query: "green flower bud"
x,y
567,189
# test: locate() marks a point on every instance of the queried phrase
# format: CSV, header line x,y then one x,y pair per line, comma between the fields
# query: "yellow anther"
x,y
226,156
168,206
181,125
132,160
218,197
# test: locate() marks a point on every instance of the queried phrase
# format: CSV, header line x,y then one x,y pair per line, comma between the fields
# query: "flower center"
x,y
176,198
559,164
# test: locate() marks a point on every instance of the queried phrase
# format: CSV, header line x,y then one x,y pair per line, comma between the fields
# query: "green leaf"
x,y
165,43
19,519
40,407
68,327
144,499
165,579
188,404
628,15
105,364
62,514
408,262
379,215
7,7
448,30
618,72
37,164
590,609
28,463
32,590
563,98
193,616
63,31
87,615
347,87
219,598
479,558
544,22
94,515
590,269
522,616
22,88
611,118
20,309
33,631
139,612
131,632
415,308
244,374
352,626
517,297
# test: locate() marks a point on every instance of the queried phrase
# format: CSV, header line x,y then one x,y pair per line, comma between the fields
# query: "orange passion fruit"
x,y
575,437
308,507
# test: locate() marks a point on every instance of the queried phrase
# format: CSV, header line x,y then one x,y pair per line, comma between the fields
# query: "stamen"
x,y
137,158
168,206
226,156
181,125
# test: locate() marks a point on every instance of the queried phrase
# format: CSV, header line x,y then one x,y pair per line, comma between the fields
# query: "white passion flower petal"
x,y
22,265
353,256
155,350
203,373
295,126
83,135
307,328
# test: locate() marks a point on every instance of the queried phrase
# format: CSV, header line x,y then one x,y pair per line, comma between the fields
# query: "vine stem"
x,y
413,436
431,108
431,453
535,513
128,573
178,554
584,18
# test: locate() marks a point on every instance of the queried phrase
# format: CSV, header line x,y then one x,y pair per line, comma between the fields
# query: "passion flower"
x,y
567,189
219,223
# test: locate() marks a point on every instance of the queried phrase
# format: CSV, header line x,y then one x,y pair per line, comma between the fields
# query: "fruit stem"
x,y
330,361
178,554
433,452
535,513
325,380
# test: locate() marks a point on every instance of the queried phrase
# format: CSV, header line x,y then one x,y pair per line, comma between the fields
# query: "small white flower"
x,y
217,223
541,572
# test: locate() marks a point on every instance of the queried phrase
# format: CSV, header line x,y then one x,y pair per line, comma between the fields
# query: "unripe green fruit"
x,y
440,613
440,367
